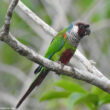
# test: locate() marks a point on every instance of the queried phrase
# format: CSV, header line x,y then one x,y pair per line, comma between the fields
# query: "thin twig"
x,y
9,16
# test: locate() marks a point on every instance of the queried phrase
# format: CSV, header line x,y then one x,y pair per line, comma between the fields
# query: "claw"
x,y
62,65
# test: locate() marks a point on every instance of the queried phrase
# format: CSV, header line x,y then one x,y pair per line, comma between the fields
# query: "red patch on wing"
x,y
66,56
64,35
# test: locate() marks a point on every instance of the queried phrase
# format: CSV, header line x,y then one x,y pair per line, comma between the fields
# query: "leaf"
x,y
91,106
97,91
77,98
91,98
104,100
70,86
54,95
74,98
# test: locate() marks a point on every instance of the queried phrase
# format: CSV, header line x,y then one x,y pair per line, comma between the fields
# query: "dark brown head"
x,y
83,29
76,31
79,29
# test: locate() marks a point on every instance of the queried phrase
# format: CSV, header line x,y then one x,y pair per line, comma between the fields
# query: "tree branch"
x,y
9,16
101,82
92,76
36,19
80,57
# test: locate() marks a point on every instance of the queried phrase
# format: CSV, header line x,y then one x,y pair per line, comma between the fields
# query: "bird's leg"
x,y
69,64
62,65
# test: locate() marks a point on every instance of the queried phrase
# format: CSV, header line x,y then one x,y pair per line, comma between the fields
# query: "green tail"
x,y
37,81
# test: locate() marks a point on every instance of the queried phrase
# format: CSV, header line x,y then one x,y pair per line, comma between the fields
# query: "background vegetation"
x,y
16,72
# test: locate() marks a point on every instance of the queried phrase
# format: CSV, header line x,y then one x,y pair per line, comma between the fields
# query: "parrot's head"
x,y
79,29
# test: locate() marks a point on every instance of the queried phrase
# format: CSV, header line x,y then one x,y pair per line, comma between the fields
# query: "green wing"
x,y
56,44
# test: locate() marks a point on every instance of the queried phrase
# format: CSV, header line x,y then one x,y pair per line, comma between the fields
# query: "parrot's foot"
x,y
69,64
73,69
73,75
62,65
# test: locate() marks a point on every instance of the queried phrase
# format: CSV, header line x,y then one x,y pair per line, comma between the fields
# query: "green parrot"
x,y
61,49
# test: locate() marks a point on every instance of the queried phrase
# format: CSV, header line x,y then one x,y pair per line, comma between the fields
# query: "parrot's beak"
x,y
87,29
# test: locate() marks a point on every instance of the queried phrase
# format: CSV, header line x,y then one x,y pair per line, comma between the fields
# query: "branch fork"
x,y
91,75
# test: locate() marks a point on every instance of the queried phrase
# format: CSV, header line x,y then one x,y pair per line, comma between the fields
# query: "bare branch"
x,y
100,81
36,19
9,16
92,76
52,32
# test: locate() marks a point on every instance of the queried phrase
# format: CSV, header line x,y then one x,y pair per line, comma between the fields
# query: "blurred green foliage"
x,y
84,5
76,94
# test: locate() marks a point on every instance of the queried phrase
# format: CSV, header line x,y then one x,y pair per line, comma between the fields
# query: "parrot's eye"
x,y
81,26
83,29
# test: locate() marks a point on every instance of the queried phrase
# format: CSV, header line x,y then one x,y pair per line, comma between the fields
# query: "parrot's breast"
x,y
66,56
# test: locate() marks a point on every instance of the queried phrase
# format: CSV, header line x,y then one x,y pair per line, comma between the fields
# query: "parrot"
x,y
61,49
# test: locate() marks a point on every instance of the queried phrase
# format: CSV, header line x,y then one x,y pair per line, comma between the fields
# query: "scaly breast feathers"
x,y
66,56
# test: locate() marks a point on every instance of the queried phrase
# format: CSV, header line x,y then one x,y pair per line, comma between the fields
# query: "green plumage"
x,y
58,46
55,50
60,49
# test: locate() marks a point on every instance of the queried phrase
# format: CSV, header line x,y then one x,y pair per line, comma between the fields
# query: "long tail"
x,y
37,81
